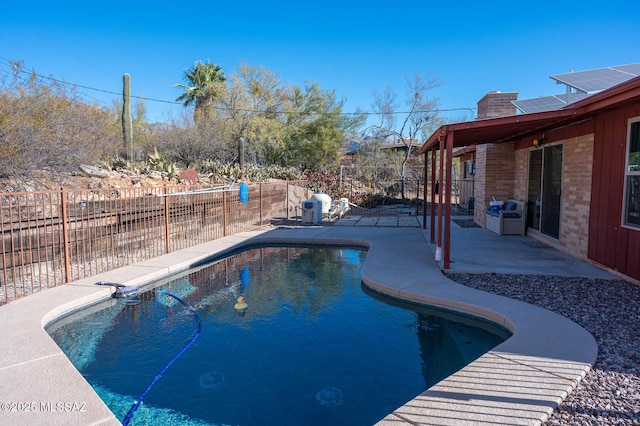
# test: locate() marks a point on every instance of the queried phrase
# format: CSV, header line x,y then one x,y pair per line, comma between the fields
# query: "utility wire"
x,y
221,108
12,73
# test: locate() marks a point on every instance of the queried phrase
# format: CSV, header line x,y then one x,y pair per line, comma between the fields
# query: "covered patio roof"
x,y
504,129
497,130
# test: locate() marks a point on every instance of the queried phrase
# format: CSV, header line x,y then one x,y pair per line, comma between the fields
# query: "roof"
x,y
580,84
514,127
464,151
398,144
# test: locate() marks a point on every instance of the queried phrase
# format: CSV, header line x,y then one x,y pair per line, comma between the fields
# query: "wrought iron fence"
x,y
390,202
376,190
50,238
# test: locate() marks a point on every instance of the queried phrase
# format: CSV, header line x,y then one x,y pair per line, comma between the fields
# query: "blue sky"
x,y
351,47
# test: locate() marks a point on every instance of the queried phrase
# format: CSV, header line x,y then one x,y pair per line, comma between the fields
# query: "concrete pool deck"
x,y
519,382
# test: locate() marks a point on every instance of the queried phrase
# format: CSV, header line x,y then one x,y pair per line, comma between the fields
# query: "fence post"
x,y
167,233
286,207
224,214
4,257
65,234
260,198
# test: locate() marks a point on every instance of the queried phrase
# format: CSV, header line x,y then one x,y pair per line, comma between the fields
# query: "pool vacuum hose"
x,y
138,401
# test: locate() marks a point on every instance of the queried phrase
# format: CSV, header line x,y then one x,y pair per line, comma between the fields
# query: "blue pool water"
x,y
314,346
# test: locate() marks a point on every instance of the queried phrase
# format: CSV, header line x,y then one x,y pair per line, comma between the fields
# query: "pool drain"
x,y
211,380
329,397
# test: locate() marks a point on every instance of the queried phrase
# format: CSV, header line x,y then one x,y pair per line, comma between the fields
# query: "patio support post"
x,y
433,196
447,209
424,192
440,181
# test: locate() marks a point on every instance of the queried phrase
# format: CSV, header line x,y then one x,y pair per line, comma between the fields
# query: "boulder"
x,y
94,171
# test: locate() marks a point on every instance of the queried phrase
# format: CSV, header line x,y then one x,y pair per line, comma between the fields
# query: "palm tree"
x,y
204,89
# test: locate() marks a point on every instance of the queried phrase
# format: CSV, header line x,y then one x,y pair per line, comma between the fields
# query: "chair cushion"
x,y
511,205
495,213
510,215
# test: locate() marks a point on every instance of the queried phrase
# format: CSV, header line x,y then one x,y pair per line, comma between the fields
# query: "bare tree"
x,y
47,126
404,123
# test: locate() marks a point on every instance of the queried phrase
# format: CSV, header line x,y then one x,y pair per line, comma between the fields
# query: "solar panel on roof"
x,y
630,68
599,79
548,103
586,82
545,103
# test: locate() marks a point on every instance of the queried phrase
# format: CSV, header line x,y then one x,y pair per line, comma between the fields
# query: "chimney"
x,y
497,104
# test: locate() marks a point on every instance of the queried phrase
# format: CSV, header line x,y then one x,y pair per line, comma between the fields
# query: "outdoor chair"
x,y
508,220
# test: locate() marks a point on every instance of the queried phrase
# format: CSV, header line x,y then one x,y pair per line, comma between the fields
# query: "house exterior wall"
x,y
592,191
576,194
520,174
463,171
494,162
495,166
479,185
610,243
576,186
593,179
465,180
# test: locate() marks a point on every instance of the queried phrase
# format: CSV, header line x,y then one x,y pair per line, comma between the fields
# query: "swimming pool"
x,y
313,347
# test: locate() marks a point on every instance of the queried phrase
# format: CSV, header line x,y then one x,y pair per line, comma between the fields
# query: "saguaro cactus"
x,y
127,123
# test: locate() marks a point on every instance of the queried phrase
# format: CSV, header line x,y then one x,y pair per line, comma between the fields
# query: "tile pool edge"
x,y
521,381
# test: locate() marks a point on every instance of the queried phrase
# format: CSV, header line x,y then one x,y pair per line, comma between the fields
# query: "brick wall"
x,y
520,174
494,162
576,191
502,172
576,194
479,184
494,175
497,104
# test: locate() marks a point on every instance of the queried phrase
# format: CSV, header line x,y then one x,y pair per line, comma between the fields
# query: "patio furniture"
x,y
509,220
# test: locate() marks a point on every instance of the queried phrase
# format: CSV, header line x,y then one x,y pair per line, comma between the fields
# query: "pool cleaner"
x,y
121,289
241,305
138,401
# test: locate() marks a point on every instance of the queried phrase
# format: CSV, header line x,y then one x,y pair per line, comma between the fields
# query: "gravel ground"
x,y
610,311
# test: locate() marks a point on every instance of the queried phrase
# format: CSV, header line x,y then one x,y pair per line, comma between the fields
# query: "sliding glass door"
x,y
545,190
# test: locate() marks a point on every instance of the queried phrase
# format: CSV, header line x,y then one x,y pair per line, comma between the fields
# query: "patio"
x,y
477,250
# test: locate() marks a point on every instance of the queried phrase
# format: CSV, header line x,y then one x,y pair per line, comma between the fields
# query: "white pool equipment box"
x,y
311,211
325,200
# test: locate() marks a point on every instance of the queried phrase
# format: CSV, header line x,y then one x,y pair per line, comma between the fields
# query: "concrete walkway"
x,y
518,383
401,221
477,250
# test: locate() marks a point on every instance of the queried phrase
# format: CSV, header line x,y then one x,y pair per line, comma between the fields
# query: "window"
x,y
632,176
